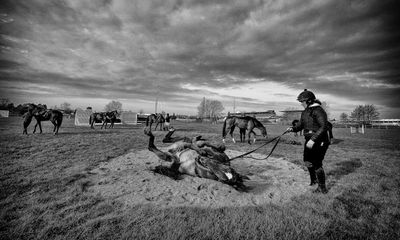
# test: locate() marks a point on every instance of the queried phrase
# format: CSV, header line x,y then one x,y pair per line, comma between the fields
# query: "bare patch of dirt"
x,y
129,179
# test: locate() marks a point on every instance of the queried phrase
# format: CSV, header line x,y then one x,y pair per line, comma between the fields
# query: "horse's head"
x,y
263,131
115,113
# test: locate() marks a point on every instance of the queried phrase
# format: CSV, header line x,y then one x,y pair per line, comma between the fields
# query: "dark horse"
x,y
96,117
42,114
243,123
27,120
110,116
157,118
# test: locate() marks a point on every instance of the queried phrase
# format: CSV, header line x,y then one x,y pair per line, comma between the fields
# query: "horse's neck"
x,y
258,125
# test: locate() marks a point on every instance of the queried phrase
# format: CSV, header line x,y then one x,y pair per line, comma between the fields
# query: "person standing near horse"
x,y
314,122
27,120
167,123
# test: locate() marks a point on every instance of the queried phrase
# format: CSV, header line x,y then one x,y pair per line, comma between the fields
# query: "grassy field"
x,y
44,177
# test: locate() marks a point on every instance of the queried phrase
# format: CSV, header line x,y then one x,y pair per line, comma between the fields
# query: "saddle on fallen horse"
x,y
199,158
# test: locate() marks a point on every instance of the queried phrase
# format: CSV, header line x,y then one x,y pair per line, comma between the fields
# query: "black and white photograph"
x,y
199,119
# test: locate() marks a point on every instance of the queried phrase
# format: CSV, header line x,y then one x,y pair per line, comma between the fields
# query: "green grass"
x,y
44,180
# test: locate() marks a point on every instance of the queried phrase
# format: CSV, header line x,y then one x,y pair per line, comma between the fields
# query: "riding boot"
x,y
313,176
321,181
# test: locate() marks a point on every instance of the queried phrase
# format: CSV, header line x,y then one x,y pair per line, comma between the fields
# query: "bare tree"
x,y
325,106
210,108
215,108
113,105
202,109
66,107
365,113
344,117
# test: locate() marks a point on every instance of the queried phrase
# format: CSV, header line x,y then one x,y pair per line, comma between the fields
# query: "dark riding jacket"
x,y
314,122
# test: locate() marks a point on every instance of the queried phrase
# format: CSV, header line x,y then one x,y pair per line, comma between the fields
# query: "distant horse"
x,y
54,116
110,116
96,117
294,123
157,118
27,120
243,123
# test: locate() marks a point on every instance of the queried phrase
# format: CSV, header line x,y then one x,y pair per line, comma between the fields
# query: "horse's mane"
x,y
257,123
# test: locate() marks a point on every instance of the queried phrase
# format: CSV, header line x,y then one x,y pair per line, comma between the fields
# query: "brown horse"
x,y
42,114
97,117
198,158
157,118
27,120
243,123
111,117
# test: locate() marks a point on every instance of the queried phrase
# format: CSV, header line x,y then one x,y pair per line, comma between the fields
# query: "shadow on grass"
x,y
344,168
336,141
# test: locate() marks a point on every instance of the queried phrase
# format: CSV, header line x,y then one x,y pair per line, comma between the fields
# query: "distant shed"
x,y
4,113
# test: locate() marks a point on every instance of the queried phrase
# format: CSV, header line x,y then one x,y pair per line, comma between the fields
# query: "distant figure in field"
x,y
167,123
27,120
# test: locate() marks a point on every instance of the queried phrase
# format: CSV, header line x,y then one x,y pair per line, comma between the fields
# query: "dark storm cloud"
x,y
136,49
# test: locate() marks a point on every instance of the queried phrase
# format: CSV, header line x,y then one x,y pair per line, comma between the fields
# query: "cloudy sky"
x,y
258,54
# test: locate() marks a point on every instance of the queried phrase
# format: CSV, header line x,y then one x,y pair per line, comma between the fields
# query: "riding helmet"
x,y
306,96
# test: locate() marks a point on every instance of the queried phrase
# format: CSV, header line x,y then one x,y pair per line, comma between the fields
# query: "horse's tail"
x,y
224,128
60,119
90,119
147,120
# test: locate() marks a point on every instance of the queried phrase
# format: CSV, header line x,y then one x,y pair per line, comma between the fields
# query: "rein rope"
x,y
278,138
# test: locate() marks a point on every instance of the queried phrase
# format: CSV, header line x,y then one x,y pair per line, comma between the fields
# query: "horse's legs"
x,y
160,154
231,133
249,131
224,132
40,126
55,125
242,134
248,135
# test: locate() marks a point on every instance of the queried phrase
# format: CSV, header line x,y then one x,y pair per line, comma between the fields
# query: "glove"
x,y
289,129
310,144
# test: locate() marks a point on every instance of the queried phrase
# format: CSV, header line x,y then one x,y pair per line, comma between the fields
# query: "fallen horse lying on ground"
x,y
199,158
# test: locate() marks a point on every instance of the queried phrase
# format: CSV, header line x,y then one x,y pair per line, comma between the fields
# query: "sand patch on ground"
x,y
128,179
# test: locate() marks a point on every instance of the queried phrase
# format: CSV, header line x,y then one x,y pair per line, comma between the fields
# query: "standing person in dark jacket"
x,y
314,122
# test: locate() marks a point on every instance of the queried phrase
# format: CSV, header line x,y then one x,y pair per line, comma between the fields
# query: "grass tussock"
x,y
45,181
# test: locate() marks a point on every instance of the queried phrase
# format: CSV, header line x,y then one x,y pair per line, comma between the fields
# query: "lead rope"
x,y
278,138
